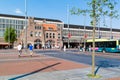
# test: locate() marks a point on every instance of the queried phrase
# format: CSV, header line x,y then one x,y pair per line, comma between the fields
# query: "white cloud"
x,y
18,11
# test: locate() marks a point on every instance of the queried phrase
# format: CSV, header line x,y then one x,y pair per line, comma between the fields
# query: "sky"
x,y
53,9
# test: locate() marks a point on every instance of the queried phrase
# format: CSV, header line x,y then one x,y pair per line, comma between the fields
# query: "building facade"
x,y
76,34
6,21
43,33
50,33
40,31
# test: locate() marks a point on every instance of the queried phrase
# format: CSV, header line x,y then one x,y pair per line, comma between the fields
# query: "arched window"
x,y
50,35
53,35
31,33
39,33
46,35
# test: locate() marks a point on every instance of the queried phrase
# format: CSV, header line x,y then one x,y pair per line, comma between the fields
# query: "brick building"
x,y
42,34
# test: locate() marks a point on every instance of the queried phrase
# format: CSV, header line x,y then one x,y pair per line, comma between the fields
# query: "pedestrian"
x,y
31,49
64,48
19,47
90,49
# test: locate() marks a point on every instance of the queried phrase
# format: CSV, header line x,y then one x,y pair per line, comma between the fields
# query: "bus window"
x,y
119,43
111,44
108,45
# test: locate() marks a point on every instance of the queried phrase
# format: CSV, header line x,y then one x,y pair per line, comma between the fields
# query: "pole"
x,y
84,31
94,25
8,38
111,36
93,53
25,26
68,25
99,30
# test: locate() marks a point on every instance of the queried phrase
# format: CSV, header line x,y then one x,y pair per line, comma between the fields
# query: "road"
x,y
83,58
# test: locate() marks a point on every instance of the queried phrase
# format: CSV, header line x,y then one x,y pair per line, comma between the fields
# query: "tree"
x,y
10,35
97,8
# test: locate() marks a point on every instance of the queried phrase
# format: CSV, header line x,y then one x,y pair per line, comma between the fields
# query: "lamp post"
x,y
99,35
84,31
68,25
111,35
25,26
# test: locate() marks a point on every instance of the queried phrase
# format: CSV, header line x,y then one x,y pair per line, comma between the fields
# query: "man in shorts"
x,y
19,47
31,49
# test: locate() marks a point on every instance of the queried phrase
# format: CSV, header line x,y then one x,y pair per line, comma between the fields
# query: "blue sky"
x,y
53,9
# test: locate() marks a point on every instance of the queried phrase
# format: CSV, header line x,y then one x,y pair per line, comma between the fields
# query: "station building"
x,y
50,33
73,35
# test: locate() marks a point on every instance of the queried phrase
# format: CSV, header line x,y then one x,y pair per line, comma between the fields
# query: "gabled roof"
x,y
47,26
23,17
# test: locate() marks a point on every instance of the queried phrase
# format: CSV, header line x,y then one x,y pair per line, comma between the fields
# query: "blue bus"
x,y
104,45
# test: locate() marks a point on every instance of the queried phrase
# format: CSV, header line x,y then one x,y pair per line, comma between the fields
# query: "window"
x,y
36,34
50,35
58,35
46,35
31,33
39,34
53,35
50,28
38,27
58,29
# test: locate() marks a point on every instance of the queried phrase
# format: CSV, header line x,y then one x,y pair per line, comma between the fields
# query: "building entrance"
x,y
37,44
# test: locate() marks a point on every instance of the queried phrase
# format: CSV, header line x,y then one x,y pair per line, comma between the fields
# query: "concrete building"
x,y
79,33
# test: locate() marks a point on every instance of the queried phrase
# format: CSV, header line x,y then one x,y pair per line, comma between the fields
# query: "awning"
x,y
4,43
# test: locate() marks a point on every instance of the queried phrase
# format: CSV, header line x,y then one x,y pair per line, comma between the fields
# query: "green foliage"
x,y
10,35
98,8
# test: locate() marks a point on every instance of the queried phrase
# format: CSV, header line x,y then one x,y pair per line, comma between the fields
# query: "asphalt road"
x,y
83,58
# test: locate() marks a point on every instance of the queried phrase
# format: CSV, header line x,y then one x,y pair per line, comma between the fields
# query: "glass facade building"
x,y
17,24
80,33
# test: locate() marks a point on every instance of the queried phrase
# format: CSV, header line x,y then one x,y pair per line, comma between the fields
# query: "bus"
x,y
104,45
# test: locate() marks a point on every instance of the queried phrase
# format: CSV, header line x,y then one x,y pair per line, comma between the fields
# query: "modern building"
x,y
76,34
17,22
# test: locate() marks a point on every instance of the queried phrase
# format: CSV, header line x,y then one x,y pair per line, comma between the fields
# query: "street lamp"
x,y
84,31
68,25
111,35
25,26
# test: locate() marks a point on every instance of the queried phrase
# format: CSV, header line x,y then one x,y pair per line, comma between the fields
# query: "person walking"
x,y
19,47
31,49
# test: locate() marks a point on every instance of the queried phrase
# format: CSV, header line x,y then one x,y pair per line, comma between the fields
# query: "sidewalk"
x,y
41,67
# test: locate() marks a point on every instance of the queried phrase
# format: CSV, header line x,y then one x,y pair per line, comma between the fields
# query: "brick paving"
x,y
116,78
11,64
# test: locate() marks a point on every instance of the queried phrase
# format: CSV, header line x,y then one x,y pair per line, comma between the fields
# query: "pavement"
x,y
42,67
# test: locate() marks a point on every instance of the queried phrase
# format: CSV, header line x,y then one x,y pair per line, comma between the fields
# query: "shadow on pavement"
x,y
21,76
104,64
25,56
